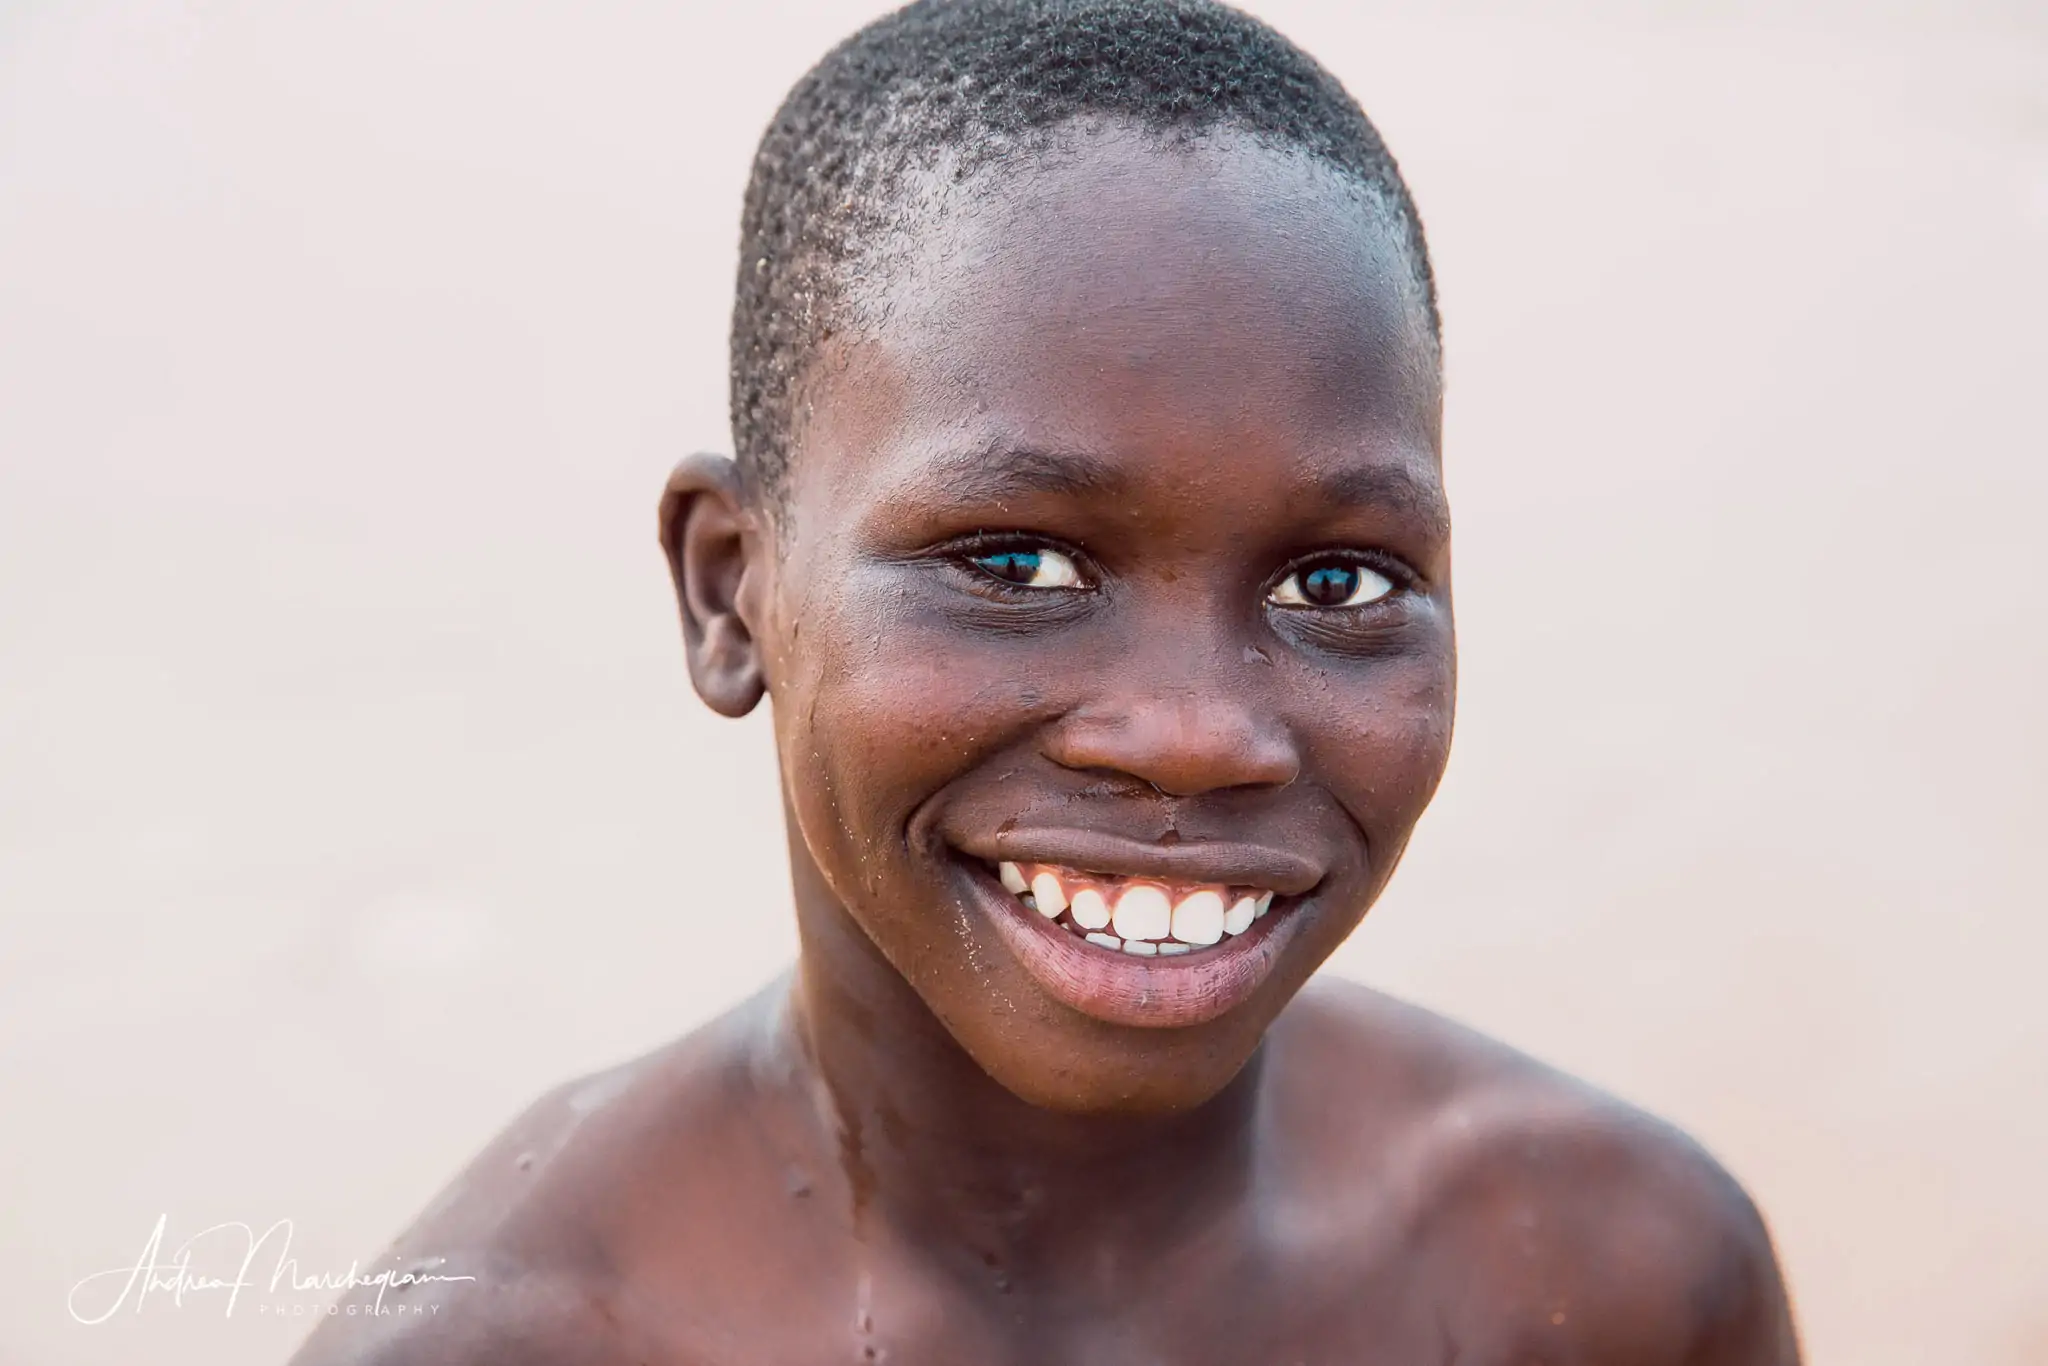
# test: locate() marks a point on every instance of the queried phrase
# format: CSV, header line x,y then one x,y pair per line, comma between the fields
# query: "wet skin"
x,y
1036,593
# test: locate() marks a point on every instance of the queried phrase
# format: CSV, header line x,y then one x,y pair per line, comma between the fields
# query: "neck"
x,y
933,1150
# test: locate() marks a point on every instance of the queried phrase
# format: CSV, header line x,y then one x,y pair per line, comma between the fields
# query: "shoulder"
x,y
1578,1227
527,1257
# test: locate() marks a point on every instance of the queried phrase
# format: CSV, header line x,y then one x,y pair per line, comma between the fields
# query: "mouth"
x,y
1136,949
1140,918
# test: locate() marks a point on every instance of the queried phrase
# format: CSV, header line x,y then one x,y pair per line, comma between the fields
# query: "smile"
x,y
1136,916
1133,933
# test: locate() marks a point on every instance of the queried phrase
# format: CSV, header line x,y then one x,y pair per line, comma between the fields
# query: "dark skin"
x,y
1190,376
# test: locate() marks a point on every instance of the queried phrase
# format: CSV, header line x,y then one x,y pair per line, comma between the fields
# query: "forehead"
x,y
1204,304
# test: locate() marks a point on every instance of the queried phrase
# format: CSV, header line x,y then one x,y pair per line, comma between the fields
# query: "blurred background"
x,y
352,792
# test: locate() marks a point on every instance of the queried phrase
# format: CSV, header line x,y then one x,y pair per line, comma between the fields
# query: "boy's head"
x,y
928,106
1087,518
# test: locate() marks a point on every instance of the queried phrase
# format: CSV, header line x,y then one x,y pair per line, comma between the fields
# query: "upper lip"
x,y
1230,862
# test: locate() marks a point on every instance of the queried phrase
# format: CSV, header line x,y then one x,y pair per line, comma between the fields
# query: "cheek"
x,y
1388,752
873,719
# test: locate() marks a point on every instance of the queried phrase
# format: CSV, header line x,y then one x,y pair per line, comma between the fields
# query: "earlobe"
x,y
709,536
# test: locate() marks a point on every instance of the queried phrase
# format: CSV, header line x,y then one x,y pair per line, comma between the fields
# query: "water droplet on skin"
x,y
864,1324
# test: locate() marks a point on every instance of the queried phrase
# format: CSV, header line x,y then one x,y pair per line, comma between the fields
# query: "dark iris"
x,y
1014,566
1330,585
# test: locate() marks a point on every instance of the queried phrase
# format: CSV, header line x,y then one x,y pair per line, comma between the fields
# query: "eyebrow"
x,y
999,469
1389,486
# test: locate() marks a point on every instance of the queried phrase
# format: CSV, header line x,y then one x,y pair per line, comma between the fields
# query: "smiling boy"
x,y
1087,538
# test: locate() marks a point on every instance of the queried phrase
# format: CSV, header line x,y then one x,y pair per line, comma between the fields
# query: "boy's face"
x,y
1116,547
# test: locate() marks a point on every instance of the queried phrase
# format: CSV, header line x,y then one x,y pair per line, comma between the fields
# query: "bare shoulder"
x,y
1548,1218
526,1258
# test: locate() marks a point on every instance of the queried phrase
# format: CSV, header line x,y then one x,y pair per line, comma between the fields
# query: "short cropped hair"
x,y
963,83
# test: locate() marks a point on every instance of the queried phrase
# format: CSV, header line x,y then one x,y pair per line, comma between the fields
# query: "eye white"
x,y
1371,588
1055,571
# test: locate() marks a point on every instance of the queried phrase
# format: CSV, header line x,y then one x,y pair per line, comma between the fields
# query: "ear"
x,y
711,539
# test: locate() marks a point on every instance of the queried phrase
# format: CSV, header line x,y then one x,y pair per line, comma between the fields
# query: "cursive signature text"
x,y
173,1278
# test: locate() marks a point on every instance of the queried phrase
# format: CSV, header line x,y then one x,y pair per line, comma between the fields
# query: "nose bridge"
x,y
1186,709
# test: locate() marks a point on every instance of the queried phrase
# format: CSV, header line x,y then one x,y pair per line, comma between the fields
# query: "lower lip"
x,y
1172,992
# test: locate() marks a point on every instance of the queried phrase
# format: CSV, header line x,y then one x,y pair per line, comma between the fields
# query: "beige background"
x,y
350,787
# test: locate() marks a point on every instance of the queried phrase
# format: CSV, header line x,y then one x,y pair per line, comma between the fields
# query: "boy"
x,y
1088,540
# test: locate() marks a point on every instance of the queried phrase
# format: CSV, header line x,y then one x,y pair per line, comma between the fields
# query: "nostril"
x,y
1175,750
1113,782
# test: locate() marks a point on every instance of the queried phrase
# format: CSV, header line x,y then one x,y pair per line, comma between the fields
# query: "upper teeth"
x,y
1142,913
1199,918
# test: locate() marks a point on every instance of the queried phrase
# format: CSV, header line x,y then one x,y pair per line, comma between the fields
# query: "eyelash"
x,y
1394,570
964,553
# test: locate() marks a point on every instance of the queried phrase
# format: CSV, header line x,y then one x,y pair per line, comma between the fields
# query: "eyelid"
x,y
962,550
1387,565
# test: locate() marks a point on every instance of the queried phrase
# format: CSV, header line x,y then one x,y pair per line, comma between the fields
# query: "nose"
x,y
1184,739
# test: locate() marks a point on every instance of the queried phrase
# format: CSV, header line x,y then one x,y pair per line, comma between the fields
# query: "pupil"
x,y
1330,585
1018,566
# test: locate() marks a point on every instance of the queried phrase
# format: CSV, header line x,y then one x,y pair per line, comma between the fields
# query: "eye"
x,y
1029,567
1331,583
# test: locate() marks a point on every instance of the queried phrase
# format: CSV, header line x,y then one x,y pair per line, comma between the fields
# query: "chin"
x,y
1091,1071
